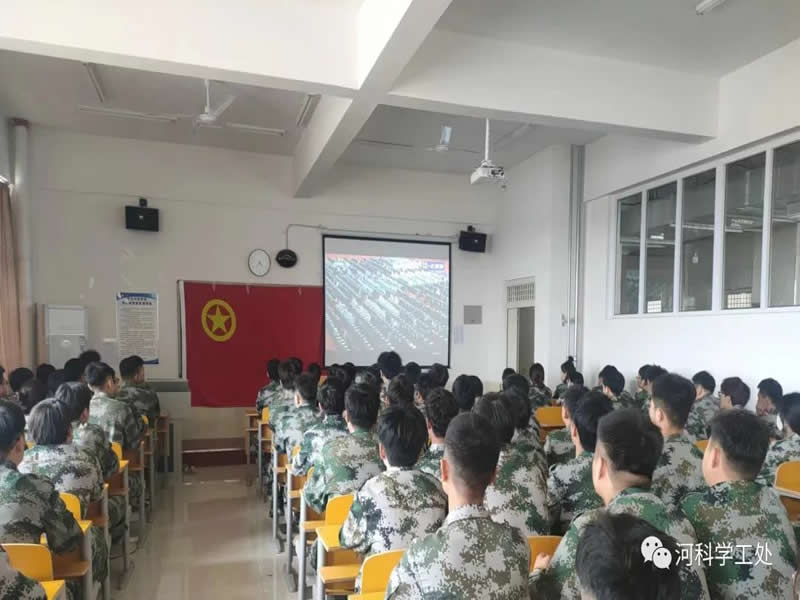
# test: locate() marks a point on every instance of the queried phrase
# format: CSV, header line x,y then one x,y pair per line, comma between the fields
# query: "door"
x,y
525,335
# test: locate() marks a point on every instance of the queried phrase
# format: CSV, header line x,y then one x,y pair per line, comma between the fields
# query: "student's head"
x,y
298,364
369,378
627,451
536,373
391,365
30,394
470,458
577,378
287,371
610,565
19,377
89,356
305,390
412,370
568,370
350,369
737,447
43,372
75,397
331,396
507,372
73,370
519,407
400,391
494,408
671,402
704,384
441,407
602,374
790,411
770,394
402,435
613,382
48,423
462,390
315,371
477,385
650,375
585,416
571,398
439,373
361,403
12,432
424,386
131,369
641,376
54,381
272,369
102,378
519,382
733,393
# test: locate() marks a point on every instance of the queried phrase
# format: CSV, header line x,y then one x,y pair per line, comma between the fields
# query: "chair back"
x,y
117,448
788,477
337,508
542,544
376,570
146,421
549,416
72,503
32,560
701,445
265,415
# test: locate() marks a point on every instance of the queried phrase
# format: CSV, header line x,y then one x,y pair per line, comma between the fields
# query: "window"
x,y
744,212
660,244
629,228
784,287
697,243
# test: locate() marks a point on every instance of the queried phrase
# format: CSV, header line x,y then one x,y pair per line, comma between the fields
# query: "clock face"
x,y
259,262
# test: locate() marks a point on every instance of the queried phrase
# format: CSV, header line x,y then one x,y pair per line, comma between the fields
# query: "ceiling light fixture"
x,y
90,69
127,114
256,129
307,110
706,6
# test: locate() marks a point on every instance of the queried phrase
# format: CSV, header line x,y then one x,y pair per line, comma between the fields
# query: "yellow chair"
x,y
73,504
542,544
787,478
54,590
117,448
375,573
146,421
265,415
36,562
549,416
337,508
701,445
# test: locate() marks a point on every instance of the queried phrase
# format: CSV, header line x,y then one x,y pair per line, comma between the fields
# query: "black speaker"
x,y
472,241
141,218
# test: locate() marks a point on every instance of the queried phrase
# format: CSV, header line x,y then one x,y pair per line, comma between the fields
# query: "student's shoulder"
x,y
693,503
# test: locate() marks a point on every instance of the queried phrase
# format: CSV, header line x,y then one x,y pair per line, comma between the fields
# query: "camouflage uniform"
x,y
347,462
570,490
431,461
518,495
282,402
703,410
73,471
771,421
561,389
15,586
331,426
641,400
744,512
559,579
627,401
539,397
558,447
266,394
617,402
293,426
471,556
143,398
527,441
679,471
785,450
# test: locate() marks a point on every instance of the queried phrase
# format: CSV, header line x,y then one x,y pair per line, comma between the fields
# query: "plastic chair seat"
x,y
340,574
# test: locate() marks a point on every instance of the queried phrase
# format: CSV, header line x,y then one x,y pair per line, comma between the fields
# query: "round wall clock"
x,y
259,262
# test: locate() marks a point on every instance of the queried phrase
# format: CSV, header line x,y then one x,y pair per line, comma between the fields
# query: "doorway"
x,y
520,323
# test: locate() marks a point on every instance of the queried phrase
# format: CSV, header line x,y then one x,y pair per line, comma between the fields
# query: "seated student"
x,y
332,425
467,389
69,468
395,507
569,486
89,356
135,391
266,393
559,447
471,556
626,454
54,382
399,392
704,408
680,468
610,565
291,428
526,427
347,462
424,386
507,372
73,371
30,394
43,372
770,394
16,379
412,370
733,393
539,395
521,385
567,372
518,495
16,586
613,388
640,395
391,365
650,375
786,449
440,409
283,402
439,374
315,371
121,422
736,510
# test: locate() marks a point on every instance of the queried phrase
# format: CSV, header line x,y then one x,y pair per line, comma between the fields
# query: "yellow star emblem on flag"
x,y
219,325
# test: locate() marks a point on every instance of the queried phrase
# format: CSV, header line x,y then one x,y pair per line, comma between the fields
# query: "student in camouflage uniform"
x,y
770,396
266,394
788,448
440,408
558,446
733,393
518,495
401,504
471,556
348,461
737,510
68,468
641,397
650,375
627,451
283,401
466,389
290,429
526,437
135,391
539,395
613,387
704,408
333,425
398,391
680,468
570,491
568,372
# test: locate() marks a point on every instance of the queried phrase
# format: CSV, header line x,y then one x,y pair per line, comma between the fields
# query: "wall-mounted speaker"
x,y
472,241
141,218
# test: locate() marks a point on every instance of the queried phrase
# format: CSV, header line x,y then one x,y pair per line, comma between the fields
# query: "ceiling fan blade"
x,y
223,106
385,144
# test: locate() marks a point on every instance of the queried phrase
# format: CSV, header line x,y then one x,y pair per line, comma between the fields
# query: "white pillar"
x,y
21,211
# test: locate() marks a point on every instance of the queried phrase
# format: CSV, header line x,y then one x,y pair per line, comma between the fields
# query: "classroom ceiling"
x,y
664,33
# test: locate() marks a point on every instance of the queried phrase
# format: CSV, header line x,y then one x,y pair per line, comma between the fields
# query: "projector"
x,y
488,172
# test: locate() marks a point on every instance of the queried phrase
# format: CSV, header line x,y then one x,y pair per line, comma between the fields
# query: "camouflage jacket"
x,y
292,427
69,468
331,426
641,399
570,490
750,522
558,447
527,441
143,398
15,586
539,396
518,495
266,394
628,401
393,509
431,461
282,401
559,392
771,421
347,462
94,440
703,410
785,450
679,471
471,556
31,506
559,580
119,420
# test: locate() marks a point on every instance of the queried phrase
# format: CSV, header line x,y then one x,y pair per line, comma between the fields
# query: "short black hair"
x,y
674,395
362,403
400,391
403,433
572,396
610,565
412,370
519,382
350,369
12,424
297,363
790,411
441,407
440,374
463,392
54,381
614,380
605,370
494,408
577,378
73,369
568,367
89,356
737,389
477,385
19,377
75,397
306,386
631,441
536,373
507,372
43,372
97,373
424,385
743,438
472,450
369,378
653,371
31,393
771,389
591,407
643,371
519,407
315,371
331,396
272,368
48,423
130,365
391,364
287,371
705,380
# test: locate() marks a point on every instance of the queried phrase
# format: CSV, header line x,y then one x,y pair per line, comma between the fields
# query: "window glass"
x,y
784,280
629,228
697,244
660,244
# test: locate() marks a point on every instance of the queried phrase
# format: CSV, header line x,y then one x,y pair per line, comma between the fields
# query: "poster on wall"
x,y
137,325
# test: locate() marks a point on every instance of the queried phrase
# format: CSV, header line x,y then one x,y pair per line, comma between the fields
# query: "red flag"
x,y
233,329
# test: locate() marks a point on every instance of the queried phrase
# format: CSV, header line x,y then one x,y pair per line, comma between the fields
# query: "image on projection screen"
x,y
386,295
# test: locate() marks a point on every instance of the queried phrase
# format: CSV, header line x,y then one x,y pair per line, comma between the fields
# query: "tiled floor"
x,y
210,539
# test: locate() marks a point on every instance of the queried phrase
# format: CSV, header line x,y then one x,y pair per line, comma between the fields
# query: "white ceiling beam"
x,y
389,34
525,83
